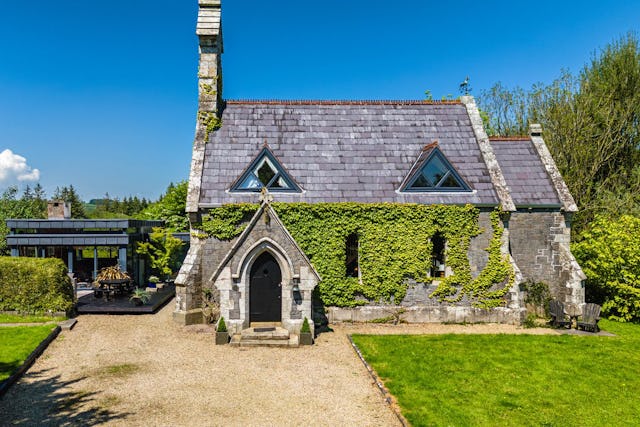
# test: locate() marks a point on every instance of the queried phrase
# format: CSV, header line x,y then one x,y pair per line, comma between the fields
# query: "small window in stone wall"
x,y
352,261
438,268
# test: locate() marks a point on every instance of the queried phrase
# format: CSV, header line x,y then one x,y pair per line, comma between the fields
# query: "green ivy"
x,y
491,285
210,121
394,246
226,222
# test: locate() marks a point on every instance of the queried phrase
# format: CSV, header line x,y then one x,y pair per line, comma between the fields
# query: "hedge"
x,y
35,285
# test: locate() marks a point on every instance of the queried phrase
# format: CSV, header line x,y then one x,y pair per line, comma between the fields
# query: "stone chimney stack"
x,y
209,31
535,129
58,209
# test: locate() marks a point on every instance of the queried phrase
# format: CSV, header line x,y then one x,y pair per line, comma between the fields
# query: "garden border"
x,y
6,384
388,397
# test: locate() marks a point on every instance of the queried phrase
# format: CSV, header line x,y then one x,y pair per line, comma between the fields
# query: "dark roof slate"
x,y
525,173
339,152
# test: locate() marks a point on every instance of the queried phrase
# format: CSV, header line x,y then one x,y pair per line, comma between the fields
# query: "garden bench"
x,y
590,318
559,317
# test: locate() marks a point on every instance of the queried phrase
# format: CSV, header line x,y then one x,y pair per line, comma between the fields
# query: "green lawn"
x,y
11,318
471,380
17,343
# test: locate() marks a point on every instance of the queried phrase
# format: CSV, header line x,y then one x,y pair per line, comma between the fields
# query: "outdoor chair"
x,y
559,317
590,318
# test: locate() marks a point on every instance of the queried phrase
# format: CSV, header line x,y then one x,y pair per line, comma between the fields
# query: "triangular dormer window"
x,y
265,172
433,172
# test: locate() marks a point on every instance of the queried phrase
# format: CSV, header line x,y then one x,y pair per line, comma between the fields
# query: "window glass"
x,y
436,174
265,172
351,261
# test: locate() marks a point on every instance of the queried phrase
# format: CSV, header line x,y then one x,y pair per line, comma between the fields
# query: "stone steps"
x,y
238,341
265,337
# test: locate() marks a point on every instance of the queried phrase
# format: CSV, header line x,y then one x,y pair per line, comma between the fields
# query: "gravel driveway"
x,y
148,371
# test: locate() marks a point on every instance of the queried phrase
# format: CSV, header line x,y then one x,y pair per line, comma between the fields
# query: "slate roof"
x,y
340,151
526,176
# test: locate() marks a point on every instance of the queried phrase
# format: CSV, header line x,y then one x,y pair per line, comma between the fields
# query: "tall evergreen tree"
x,y
69,194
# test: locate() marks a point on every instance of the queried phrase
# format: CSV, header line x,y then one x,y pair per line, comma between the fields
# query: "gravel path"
x,y
148,371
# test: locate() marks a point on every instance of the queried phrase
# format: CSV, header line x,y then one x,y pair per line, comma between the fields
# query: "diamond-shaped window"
x,y
433,172
265,172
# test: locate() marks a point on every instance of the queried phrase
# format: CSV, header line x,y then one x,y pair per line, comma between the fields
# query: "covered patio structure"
x,y
85,245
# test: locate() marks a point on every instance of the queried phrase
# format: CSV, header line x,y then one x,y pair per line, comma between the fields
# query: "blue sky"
x,y
102,95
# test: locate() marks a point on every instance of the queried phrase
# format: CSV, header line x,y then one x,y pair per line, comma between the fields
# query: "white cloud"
x,y
15,168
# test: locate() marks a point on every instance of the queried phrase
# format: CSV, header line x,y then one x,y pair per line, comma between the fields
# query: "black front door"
x,y
264,291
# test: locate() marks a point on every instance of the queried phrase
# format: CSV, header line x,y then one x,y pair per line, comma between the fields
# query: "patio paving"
x,y
120,304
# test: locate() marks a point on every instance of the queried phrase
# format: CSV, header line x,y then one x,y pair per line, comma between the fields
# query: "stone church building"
x,y
368,156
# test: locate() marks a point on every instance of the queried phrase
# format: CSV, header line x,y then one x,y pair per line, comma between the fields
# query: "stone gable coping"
x,y
499,182
568,203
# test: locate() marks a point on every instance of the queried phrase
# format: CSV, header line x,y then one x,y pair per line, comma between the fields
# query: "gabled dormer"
x,y
433,172
265,171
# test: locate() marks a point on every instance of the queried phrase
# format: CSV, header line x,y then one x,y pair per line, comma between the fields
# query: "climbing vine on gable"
x,y
210,121
394,246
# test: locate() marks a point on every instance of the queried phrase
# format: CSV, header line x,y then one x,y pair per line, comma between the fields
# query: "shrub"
x,y
609,253
305,326
222,327
35,285
538,296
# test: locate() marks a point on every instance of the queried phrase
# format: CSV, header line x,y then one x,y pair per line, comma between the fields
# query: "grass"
x,y
12,318
491,380
120,370
17,343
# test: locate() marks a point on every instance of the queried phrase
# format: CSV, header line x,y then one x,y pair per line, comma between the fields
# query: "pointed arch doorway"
x,y
265,290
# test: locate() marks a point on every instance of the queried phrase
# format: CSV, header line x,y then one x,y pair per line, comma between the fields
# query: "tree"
x,y
69,194
609,254
30,205
591,124
171,208
161,250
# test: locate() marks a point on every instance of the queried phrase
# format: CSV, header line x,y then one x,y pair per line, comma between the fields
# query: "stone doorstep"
x,y
277,334
239,341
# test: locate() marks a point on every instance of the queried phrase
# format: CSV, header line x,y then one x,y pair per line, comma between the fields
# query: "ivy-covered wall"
x,y
394,244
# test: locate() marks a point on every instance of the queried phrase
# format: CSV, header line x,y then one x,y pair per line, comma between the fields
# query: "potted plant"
x,y
222,334
153,280
306,337
140,296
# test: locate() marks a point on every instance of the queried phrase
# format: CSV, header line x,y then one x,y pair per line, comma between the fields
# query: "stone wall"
x,y
426,314
540,246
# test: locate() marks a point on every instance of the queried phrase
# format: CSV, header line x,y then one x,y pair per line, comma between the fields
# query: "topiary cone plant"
x,y
222,327
306,337
222,334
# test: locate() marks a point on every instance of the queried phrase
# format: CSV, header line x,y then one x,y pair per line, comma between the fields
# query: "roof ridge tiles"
x,y
510,138
340,102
